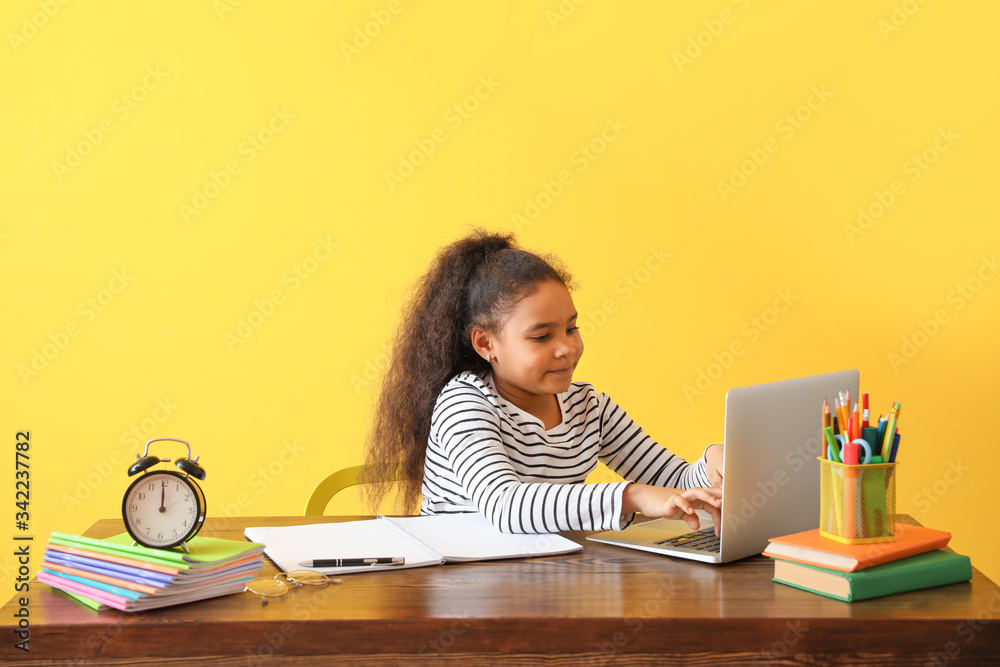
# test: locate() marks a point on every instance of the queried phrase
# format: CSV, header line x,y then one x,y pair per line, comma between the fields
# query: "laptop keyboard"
x,y
700,540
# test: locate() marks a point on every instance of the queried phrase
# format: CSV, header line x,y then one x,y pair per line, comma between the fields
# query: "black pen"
x,y
353,562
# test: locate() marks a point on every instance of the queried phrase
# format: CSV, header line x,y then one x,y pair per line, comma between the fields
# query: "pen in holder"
x,y
857,502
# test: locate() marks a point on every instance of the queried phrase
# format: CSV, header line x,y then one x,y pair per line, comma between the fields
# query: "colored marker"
x,y
855,422
851,453
895,446
831,441
864,410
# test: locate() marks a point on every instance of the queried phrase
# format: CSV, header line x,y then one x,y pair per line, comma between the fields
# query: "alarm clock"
x,y
163,509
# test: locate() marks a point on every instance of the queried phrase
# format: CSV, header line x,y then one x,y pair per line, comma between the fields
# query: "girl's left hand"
x,y
713,461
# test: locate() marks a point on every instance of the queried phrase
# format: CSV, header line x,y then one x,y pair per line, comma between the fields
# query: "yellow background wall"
x,y
212,211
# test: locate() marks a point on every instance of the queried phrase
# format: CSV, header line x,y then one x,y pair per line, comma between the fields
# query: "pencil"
x,y
890,431
842,412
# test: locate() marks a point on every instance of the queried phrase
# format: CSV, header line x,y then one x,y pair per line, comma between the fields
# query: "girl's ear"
x,y
482,343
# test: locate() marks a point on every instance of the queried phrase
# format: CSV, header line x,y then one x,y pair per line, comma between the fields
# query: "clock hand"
x,y
163,493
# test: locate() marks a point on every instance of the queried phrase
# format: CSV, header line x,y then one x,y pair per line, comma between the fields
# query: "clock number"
x,y
142,496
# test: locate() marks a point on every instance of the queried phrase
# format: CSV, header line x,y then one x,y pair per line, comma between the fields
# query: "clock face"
x,y
162,509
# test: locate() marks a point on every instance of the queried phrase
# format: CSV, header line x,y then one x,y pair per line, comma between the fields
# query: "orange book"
x,y
811,548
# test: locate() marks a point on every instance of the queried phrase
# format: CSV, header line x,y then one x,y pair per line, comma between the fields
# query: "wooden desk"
x,y
604,606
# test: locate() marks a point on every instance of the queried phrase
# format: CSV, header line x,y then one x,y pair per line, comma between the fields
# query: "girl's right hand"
x,y
657,501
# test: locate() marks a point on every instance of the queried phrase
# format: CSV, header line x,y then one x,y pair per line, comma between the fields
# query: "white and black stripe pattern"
x,y
485,454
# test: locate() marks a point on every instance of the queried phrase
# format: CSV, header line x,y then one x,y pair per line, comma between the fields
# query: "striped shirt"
x,y
485,454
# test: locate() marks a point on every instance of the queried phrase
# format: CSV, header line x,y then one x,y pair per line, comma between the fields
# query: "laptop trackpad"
x,y
661,529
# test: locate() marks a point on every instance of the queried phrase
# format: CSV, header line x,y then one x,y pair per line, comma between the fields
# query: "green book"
x,y
205,552
93,604
926,570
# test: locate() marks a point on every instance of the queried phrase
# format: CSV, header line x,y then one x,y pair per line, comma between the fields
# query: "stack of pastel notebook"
x,y
852,572
114,573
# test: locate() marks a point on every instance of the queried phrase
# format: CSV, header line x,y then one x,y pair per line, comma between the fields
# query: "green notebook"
x,y
926,570
205,552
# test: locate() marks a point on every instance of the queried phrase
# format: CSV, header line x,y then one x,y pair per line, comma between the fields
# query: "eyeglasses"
x,y
271,588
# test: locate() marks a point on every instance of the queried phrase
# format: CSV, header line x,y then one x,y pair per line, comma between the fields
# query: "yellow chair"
x,y
334,484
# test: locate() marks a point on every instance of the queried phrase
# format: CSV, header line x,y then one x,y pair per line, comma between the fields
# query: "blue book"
x,y
117,590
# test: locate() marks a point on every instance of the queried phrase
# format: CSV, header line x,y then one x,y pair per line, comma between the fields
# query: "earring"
x,y
487,358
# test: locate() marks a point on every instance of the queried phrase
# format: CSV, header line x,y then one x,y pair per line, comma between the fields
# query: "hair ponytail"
x,y
474,281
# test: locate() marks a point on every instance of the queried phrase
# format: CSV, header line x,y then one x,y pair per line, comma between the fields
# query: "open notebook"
x,y
421,540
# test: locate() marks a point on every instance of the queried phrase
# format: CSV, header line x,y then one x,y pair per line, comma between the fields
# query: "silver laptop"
x,y
770,473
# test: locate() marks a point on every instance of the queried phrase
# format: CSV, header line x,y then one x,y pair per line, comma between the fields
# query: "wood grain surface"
x,y
603,606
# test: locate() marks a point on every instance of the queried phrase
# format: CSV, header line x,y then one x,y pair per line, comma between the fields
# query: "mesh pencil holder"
x,y
857,503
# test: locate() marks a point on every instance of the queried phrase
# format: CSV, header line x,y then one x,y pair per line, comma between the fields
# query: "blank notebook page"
x,y
468,537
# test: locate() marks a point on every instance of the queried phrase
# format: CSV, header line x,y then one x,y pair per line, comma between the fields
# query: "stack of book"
x,y
114,573
852,572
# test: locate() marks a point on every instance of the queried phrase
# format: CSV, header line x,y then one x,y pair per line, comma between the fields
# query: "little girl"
x,y
478,411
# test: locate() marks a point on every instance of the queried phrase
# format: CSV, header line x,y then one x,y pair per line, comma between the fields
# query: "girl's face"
x,y
539,345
